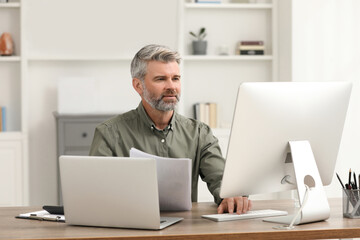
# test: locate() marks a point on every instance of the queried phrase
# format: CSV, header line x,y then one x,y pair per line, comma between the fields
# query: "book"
x,y
197,111
251,52
213,115
202,112
248,50
206,118
252,47
206,113
3,119
252,43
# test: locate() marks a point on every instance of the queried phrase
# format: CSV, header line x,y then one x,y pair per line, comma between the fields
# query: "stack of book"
x,y
251,48
2,119
206,113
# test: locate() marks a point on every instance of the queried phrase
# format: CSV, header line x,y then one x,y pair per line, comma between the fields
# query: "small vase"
x,y
199,47
6,44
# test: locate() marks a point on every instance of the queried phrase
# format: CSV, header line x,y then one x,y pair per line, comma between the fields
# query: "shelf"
x,y
187,57
228,58
10,58
41,58
229,5
8,136
10,5
221,131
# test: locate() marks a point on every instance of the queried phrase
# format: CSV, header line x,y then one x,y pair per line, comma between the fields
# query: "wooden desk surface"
x,y
192,227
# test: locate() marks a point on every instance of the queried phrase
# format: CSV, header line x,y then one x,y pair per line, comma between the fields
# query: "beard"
x,y
159,103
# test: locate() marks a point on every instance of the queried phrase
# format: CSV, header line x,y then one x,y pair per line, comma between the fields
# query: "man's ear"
x,y
137,85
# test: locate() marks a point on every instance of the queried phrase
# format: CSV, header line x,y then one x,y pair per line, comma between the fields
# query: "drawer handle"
x,y
84,135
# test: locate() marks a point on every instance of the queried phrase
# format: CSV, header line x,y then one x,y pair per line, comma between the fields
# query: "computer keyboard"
x,y
249,215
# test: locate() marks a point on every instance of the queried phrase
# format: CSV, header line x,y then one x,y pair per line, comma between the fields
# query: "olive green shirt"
x,y
182,138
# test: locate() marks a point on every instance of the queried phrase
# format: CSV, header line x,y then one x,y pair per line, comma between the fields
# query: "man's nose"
x,y
170,84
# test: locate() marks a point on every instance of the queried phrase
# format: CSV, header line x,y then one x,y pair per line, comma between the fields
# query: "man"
x,y
154,127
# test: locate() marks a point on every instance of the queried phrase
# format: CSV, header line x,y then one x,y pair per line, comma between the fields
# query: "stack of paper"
x,y
42,215
174,181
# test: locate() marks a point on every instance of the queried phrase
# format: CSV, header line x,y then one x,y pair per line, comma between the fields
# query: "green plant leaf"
x,y
203,36
200,36
193,34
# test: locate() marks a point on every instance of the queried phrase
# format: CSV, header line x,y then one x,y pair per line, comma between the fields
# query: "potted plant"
x,y
199,45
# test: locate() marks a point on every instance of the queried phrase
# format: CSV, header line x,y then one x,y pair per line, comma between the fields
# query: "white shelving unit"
x,y
228,58
214,77
226,24
10,66
10,5
13,147
10,59
80,58
229,5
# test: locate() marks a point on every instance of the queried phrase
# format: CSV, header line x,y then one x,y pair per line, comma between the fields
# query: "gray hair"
x,y
148,53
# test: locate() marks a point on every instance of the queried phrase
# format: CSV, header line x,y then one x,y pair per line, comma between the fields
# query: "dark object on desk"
x,y
355,181
340,181
349,177
351,203
54,209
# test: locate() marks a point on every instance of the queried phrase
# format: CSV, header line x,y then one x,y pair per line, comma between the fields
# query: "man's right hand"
x,y
239,204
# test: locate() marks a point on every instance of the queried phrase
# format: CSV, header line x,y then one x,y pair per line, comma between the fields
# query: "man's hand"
x,y
239,204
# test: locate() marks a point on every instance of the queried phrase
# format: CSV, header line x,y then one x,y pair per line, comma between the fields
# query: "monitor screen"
x,y
270,114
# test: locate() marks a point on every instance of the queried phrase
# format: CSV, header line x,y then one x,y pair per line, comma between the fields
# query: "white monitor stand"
x,y
306,172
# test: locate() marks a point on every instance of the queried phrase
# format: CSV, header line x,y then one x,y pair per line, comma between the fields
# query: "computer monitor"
x,y
270,114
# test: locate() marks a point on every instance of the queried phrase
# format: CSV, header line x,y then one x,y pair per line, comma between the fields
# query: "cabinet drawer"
x,y
79,134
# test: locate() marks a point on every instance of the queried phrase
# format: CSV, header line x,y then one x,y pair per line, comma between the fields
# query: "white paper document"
x,y
42,215
174,181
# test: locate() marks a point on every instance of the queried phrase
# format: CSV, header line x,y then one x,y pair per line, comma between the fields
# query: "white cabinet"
x,y
11,174
13,163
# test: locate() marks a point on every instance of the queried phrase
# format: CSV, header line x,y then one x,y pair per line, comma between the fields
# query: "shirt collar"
x,y
149,123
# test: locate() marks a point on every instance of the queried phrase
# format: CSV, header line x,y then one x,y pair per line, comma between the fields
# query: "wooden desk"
x,y
192,227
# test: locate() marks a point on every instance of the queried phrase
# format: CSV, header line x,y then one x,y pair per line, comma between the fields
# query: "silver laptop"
x,y
111,192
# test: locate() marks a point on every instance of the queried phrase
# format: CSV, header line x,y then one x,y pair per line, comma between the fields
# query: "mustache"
x,y
170,92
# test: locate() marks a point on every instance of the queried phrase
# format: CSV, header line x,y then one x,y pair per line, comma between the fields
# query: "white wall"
x,y
69,39
326,47
284,40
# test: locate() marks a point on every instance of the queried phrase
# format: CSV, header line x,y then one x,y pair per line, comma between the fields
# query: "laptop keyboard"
x,y
249,215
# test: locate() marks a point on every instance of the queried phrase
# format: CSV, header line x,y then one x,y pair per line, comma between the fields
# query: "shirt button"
x,y
162,140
